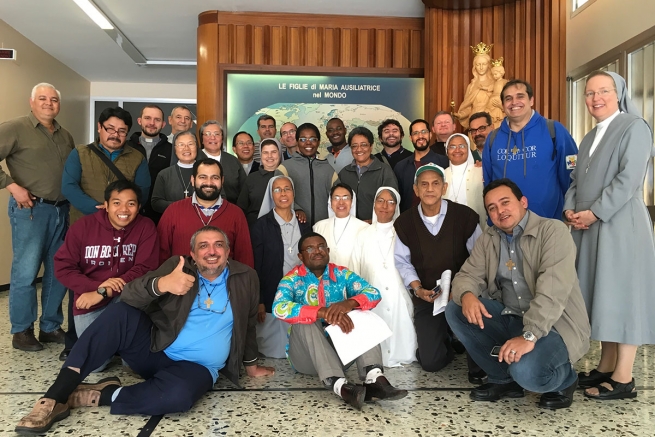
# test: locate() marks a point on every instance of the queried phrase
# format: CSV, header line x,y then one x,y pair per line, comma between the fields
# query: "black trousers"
x,y
71,335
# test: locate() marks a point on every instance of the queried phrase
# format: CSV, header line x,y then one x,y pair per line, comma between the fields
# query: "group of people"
x,y
175,245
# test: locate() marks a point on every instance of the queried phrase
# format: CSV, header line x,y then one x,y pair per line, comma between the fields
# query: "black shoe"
x,y
559,399
382,389
26,341
353,395
493,392
478,378
63,356
458,346
56,336
593,379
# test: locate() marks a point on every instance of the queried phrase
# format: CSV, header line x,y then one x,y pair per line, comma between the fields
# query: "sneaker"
x,y
44,414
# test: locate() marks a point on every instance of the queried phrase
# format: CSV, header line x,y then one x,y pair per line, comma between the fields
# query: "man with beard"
x,y
180,120
155,147
443,127
90,168
419,132
265,129
391,136
206,207
177,327
480,126
288,140
339,154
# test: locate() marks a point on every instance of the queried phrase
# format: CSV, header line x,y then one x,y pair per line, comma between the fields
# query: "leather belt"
x,y
51,202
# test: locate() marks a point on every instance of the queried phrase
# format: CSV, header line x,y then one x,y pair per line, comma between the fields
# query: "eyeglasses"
x,y
245,143
305,140
380,201
602,93
212,134
288,132
422,131
360,146
320,248
210,300
185,146
111,131
338,198
457,146
480,130
282,190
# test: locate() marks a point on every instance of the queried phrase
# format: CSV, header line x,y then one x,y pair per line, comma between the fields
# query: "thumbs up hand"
x,y
176,282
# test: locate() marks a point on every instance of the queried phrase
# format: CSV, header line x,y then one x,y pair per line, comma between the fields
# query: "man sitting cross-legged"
x,y
310,297
176,327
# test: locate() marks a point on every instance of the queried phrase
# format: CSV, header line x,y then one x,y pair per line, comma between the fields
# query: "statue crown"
x,y
481,49
497,62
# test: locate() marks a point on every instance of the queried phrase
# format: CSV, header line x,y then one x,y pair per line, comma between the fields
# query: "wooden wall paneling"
x,y
260,47
295,56
207,79
278,45
416,54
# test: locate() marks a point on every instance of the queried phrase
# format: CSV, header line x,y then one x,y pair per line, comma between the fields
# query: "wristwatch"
x,y
527,335
102,291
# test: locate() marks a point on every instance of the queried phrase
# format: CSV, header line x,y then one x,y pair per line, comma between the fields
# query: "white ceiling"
x,y
161,30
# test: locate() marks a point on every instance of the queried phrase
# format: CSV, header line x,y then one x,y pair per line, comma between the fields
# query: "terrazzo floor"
x,y
290,404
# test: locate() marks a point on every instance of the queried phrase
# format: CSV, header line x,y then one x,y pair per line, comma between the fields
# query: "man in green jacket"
x,y
177,327
533,324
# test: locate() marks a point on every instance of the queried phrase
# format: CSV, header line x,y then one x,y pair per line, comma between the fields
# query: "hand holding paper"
x,y
441,301
369,331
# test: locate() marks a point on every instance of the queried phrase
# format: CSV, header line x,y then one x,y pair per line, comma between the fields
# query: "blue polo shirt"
x,y
206,336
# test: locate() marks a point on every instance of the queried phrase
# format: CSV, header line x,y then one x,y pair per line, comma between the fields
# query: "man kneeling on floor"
x,y
534,312
176,327
310,297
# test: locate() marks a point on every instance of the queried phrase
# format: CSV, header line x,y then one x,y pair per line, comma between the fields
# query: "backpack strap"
x,y
551,130
105,159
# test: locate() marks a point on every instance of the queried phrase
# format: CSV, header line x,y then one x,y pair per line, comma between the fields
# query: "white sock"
x,y
372,375
337,385
115,394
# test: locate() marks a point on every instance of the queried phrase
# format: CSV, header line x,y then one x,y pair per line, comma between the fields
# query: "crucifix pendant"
x,y
510,264
186,193
384,265
208,302
290,249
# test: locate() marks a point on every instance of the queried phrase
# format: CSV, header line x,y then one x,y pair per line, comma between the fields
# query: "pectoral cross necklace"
x,y
510,264
186,186
208,302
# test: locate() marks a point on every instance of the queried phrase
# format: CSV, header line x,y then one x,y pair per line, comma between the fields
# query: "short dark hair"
x,y
308,235
153,107
386,123
234,139
361,130
335,119
265,117
481,115
452,117
341,185
306,126
515,82
417,121
117,112
504,182
206,161
122,185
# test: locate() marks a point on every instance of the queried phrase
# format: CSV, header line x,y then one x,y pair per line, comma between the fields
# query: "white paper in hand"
x,y
369,331
441,302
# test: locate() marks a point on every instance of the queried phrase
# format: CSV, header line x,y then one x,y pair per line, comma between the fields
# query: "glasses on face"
x,y
185,146
313,249
307,140
112,131
360,146
601,93
380,201
422,131
338,198
245,143
480,130
212,134
288,133
457,146
282,190
208,302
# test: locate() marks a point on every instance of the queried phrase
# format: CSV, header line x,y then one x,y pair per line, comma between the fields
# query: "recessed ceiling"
x,y
160,30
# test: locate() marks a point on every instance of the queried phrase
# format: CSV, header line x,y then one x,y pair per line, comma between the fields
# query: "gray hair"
x,y
208,229
185,107
44,85
210,122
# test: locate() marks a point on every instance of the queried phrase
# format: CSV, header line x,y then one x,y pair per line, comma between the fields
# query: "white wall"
x,y
602,26
143,90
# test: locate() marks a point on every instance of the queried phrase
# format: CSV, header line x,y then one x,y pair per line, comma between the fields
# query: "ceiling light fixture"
x,y
94,13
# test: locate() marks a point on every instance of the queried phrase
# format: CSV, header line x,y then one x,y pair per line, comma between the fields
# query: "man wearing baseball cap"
x,y
435,236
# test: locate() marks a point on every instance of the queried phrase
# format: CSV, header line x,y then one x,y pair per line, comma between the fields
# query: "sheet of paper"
x,y
441,302
370,330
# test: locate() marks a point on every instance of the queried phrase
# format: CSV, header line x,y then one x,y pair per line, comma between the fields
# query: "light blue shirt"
x,y
206,336
402,255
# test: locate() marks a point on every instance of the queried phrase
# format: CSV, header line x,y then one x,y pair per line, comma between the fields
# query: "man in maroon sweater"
x,y
206,207
104,251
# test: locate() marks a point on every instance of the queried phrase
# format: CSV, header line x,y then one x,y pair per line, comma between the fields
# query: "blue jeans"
x,y
35,241
546,369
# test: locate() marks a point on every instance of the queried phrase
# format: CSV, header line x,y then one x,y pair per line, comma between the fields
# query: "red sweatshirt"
x,y
181,220
94,251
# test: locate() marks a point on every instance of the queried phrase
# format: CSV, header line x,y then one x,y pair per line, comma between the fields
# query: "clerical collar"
x,y
184,165
152,141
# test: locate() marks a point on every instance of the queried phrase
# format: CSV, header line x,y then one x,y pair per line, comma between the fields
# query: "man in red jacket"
x,y
206,207
104,251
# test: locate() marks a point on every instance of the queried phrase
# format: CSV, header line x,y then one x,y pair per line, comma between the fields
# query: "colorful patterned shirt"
x,y
301,294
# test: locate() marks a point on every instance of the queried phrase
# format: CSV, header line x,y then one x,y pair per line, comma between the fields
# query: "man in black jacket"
x,y
176,327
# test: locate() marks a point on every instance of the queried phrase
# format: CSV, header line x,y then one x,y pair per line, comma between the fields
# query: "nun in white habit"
x,y
464,178
341,227
373,259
